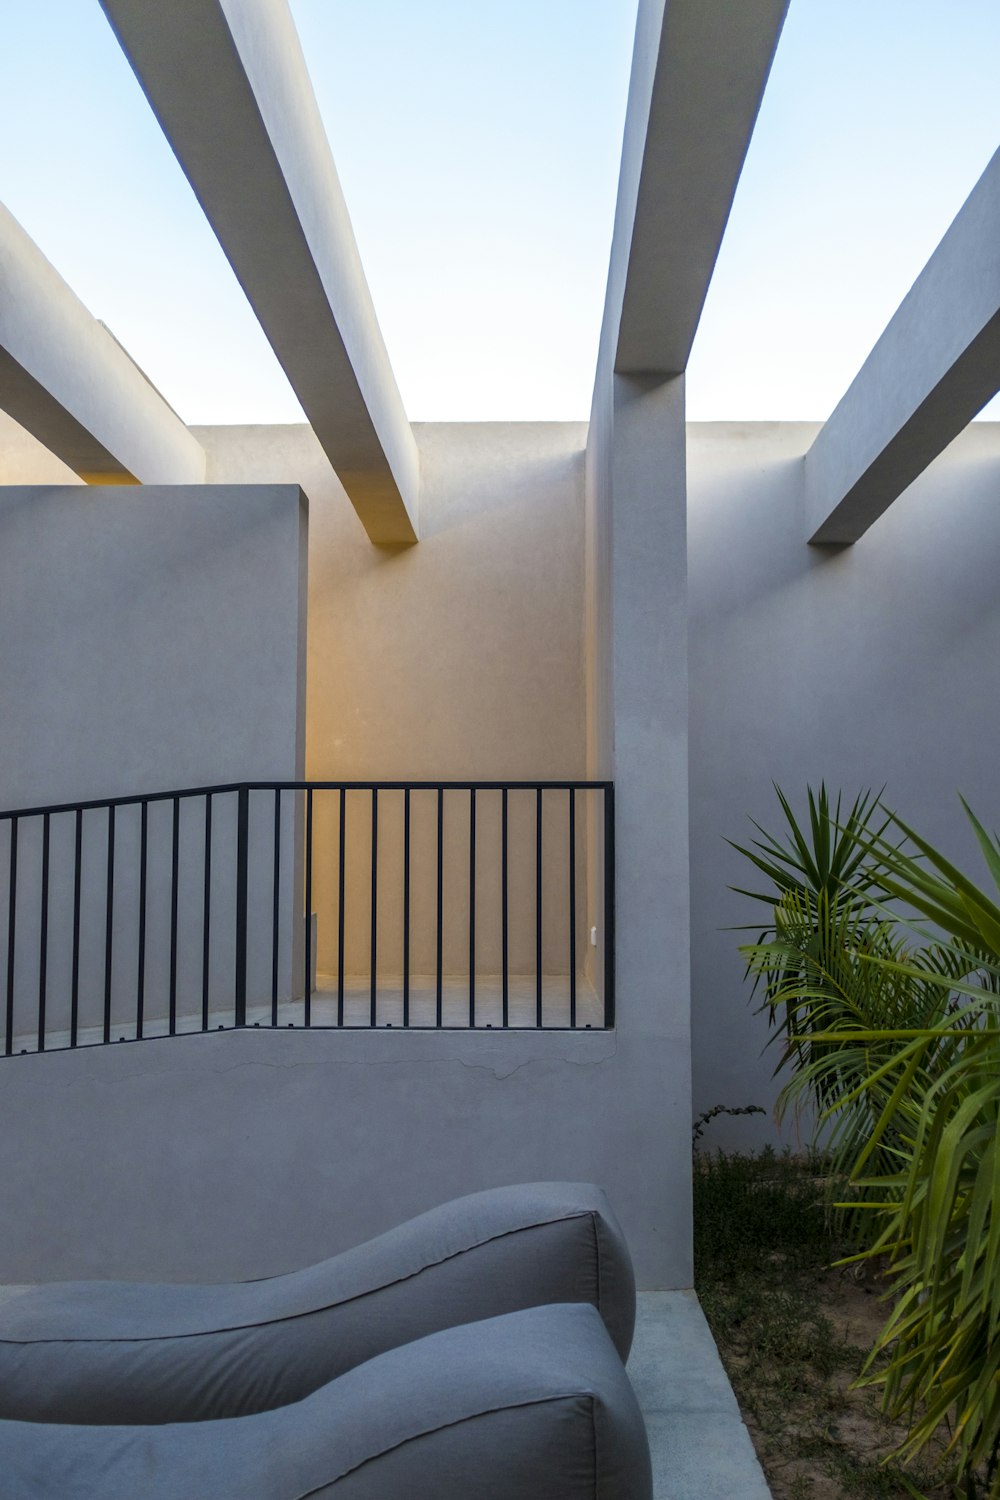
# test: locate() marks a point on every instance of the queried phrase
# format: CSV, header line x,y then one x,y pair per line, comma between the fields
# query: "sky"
x,y
478,147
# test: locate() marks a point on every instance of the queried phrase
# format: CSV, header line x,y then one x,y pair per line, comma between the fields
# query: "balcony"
x,y
316,905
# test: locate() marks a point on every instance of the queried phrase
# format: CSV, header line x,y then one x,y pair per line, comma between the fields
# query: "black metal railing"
x,y
317,904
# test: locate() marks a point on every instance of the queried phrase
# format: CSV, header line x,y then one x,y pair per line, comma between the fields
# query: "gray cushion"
x,y
534,1404
114,1352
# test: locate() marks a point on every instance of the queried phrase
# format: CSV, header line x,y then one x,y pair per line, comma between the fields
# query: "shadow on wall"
x,y
865,667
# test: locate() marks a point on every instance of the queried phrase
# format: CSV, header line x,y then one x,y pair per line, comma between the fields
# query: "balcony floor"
x,y
455,1008
521,1008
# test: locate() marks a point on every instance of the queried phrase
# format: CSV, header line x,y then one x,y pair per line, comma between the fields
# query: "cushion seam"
x,y
155,1338
487,1411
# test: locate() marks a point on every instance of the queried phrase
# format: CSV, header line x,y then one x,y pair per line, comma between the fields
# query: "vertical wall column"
x,y
638,734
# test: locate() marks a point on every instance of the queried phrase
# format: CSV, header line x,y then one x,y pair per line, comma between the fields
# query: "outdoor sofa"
x,y
534,1405
475,1351
124,1352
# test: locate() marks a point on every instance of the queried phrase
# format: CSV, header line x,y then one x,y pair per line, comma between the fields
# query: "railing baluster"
x,y
373,1012
472,906
572,906
406,907
242,884
109,924
439,998
51,853
505,963
206,916
609,906
174,881
538,906
275,903
307,961
140,992
340,908
11,935
74,992
43,938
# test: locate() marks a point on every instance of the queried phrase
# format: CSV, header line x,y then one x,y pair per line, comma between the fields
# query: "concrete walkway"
x,y
700,1447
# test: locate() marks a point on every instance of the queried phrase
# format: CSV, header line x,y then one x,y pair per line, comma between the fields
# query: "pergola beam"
x,y
935,366
69,382
228,83
698,77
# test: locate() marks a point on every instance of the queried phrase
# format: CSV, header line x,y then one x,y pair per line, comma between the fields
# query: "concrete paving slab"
x,y
700,1448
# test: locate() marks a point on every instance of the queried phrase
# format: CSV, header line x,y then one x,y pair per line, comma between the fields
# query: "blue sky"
x,y
478,146
879,118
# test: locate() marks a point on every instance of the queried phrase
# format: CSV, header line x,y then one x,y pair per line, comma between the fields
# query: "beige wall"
x,y
474,635
459,658
23,460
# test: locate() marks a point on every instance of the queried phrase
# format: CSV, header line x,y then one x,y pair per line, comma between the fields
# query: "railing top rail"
x,y
136,799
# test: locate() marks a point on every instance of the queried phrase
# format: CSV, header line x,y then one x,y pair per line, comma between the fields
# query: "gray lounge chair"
x,y
121,1352
531,1406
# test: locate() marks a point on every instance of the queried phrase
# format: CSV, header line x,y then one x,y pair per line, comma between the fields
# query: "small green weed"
x,y
750,1209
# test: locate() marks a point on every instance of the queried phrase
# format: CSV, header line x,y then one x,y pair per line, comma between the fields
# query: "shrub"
x,y
891,1029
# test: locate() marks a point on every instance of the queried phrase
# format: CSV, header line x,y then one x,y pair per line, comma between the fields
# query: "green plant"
x,y
940,1214
750,1208
898,1042
784,1324
707,1116
821,988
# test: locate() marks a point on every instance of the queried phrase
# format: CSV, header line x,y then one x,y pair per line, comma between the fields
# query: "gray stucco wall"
x,y
154,639
243,1154
637,733
248,1153
867,666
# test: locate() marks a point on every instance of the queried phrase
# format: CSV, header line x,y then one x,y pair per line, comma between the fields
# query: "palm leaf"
x,y
880,973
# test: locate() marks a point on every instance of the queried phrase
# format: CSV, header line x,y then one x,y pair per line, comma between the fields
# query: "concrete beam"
x,y
69,382
228,83
698,76
935,366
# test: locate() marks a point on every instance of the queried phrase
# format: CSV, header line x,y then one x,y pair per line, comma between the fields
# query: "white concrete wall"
x,y
259,1152
244,1154
250,1153
154,640
637,733
865,666
253,1152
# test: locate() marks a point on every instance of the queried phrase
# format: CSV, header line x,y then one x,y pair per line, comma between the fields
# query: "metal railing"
x,y
451,904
